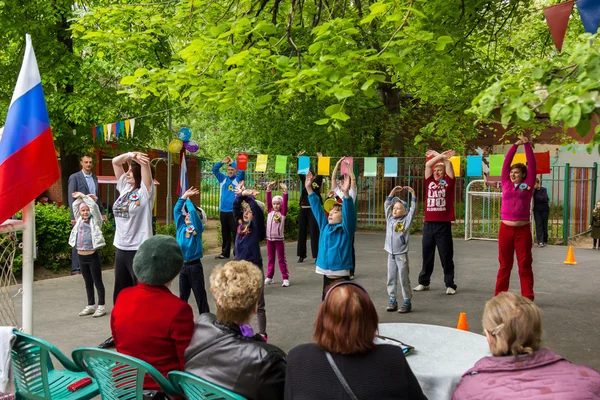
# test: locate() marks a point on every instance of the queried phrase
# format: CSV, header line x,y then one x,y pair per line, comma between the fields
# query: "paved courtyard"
x,y
567,295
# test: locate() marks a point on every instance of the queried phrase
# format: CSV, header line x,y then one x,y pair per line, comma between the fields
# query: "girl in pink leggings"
x,y
515,232
277,208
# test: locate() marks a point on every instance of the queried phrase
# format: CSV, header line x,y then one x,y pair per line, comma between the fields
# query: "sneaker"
x,y
352,277
100,311
264,336
88,310
393,306
450,291
269,281
107,344
285,283
421,288
405,308
221,257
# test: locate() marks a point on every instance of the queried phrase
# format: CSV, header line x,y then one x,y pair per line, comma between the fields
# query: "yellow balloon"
x,y
175,146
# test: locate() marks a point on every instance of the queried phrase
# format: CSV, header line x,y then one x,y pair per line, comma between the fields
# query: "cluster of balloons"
x,y
185,134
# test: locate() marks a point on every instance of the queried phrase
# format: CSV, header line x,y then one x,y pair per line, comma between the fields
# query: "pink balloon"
x,y
191,146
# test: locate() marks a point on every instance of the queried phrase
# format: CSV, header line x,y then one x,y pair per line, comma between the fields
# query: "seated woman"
x,y
148,321
224,349
519,368
345,330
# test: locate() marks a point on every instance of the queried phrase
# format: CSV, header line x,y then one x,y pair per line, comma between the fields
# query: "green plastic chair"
x,y
35,376
196,388
120,376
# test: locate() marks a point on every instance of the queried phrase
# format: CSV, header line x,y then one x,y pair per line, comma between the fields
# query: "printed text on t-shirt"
x,y
436,196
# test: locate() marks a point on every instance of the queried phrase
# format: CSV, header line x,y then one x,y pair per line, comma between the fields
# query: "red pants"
x,y
513,239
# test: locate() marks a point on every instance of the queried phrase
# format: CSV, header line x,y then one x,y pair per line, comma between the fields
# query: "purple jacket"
x,y
543,376
516,201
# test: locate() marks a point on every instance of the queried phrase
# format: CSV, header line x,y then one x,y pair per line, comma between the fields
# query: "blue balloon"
x,y
185,134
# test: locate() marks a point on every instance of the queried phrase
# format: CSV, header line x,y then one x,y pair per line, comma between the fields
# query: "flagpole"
x,y
27,285
169,177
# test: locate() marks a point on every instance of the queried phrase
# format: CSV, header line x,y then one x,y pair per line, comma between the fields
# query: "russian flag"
x,y
183,180
28,163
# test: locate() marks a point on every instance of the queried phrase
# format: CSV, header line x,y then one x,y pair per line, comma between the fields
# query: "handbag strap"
x,y
340,376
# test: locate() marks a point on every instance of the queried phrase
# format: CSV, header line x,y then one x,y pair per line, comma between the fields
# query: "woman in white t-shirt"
x,y
133,217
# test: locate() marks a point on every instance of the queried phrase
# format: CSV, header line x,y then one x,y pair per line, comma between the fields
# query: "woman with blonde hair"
x,y
519,367
224,349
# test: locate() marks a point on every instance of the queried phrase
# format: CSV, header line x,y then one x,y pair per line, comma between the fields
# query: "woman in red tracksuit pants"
x,y
518,183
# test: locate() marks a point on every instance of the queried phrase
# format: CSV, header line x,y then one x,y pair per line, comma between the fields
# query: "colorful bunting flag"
x,y
496,162
303,165
589,10
131,125
281,164
519,158
390,167
474,167
542,162
344,168
242,161
127,127
261,163
455,161
557,18
370,166
323,165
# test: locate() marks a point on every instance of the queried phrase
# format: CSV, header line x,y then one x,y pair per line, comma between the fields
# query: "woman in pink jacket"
x,y
519,368
518,183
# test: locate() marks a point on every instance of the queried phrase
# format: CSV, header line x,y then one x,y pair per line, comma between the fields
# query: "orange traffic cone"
x,y
462,322
570,257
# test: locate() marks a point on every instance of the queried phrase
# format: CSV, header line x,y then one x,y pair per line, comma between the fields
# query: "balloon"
x,y
185,134
191,146
175,146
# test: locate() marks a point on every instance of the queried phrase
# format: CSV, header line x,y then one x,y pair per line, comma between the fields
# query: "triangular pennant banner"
x,y
93,133
557,18
261,163
242,162
589,10
99,133
303,165
542,162
323,165
370,166
131,126
281,164
114,127
474,165
127,127
344,169
455,161
105,129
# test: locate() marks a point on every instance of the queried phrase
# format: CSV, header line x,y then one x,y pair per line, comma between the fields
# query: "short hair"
x,y
347,321
236,288
520,166
338,205
515,323
86,155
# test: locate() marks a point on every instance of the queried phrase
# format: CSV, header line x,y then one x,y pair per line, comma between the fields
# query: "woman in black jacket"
x,y
224,349
345,330
541,210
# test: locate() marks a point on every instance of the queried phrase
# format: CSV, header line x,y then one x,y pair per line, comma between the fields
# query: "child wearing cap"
x,y
397,233
86,237
336,234
250,215
190,221
277,209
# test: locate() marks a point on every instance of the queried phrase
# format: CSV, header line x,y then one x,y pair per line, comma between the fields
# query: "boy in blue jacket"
x,y
189,224
337,229
250,215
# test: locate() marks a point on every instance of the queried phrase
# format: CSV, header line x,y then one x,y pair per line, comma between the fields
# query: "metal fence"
x,y
570,218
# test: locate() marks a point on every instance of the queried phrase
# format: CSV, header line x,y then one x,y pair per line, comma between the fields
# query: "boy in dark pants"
x,y
439,214
337,229
189,236
249,214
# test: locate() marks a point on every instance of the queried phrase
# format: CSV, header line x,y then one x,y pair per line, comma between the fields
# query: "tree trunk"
x,y
391,99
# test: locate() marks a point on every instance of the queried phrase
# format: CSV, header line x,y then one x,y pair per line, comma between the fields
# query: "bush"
x,y
107,253
53,227
291,221
170,230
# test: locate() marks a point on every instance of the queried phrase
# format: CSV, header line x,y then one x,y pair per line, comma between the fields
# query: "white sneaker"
x,y
285,283
100,311
88,310
269,281
421,288
450,291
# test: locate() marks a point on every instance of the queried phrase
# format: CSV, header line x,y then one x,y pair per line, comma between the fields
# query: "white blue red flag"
x,y
28,163
183,179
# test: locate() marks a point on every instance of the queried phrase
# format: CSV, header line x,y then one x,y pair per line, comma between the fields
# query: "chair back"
x,y
196,388
119,376
31,363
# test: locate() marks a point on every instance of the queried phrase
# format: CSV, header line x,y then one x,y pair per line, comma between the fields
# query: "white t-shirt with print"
x,y
133,215
339,193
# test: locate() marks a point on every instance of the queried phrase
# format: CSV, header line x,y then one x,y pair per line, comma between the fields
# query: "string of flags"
x,y
113,131
558,16
476,165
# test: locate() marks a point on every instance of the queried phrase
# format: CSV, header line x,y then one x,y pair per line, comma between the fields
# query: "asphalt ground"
x,y
567,295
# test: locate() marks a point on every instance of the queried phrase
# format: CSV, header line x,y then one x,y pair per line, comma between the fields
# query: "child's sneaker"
x,y
405,308
393,306
88,310
285,283
100,311
421,288
268,281
450,291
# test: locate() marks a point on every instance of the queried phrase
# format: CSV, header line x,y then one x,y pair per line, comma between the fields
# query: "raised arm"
x,y
531,164
348,214
194,216
216,169
387,206
178,214
144,162
238,213
508,161
91,203
118,161
447,164
258,217
413,207
352,176
437,157
269,196
284,206
334,173
72,188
